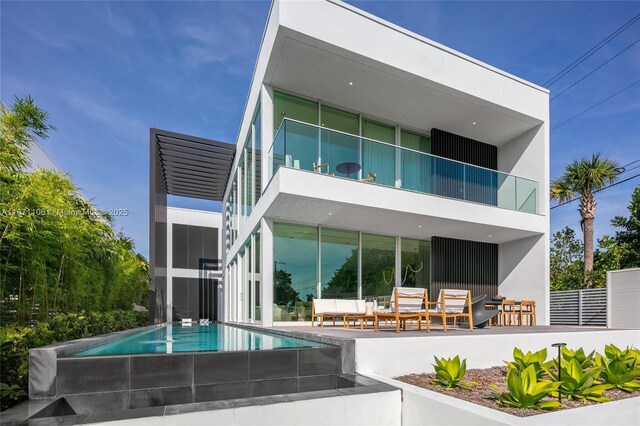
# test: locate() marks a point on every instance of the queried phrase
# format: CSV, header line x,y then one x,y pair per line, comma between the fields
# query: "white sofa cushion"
x,y
345,306
324,306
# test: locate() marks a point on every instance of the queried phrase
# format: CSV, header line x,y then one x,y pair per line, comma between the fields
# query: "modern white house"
x,y
370,157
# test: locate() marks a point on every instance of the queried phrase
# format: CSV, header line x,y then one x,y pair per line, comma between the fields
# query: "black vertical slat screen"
x,y
462,264
468,183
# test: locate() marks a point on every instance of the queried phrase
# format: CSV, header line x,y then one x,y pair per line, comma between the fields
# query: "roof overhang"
x,y
378,69
190,166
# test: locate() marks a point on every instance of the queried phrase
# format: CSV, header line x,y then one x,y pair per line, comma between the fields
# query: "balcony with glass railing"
x,y
308,147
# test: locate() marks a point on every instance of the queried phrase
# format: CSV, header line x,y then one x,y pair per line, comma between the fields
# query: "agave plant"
x,y
521,361
631,356
525,390
579,383
584,360
450,372
619,372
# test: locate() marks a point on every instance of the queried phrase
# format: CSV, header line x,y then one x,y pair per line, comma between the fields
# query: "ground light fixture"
x,y
559,346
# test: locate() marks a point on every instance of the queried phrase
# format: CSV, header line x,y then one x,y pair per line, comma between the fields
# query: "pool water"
x,y
196,338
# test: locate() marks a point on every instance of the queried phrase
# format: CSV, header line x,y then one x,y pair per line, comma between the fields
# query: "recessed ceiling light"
x,y
351,83
330,213
419,226
474,123
489,235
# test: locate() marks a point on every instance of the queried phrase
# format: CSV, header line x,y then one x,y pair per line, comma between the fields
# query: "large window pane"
x,y
339,264
257,155
415,167
378,265
379,132
257,278
416,263
295,274
288,106
415,141
336,119
379,159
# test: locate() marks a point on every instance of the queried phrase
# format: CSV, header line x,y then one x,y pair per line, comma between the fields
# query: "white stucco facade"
x,y
336,55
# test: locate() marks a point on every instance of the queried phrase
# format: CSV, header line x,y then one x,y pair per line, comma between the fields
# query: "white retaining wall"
x,y
396,357
424,407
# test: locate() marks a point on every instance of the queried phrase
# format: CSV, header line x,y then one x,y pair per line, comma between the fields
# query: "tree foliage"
x,y
583,178
620,251
629,236
58,253
566,268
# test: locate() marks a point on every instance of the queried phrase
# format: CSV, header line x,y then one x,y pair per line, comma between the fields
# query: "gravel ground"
x,y
481,393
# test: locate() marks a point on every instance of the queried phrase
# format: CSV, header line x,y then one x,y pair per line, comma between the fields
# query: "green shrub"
x,y
578,382
522,361
15,343
584,360
450,372
525,390
619,371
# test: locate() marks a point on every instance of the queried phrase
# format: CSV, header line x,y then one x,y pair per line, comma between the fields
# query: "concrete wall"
x,y
523,273
623,298
188,217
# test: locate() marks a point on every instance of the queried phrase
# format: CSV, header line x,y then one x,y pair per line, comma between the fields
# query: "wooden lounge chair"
x,y
371,177
406,304
451,304
318,168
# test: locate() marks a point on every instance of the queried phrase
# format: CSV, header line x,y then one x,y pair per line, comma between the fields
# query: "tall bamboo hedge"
x,y
58,254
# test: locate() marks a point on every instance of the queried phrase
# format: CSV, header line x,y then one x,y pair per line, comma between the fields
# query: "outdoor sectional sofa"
x,y
335,308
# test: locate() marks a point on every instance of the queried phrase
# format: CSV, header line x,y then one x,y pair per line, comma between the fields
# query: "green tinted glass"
x,y
379,132
339,264
416,263
336,119
289,106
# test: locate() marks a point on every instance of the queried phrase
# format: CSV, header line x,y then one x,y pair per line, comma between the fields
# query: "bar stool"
x,y
509,314
528,309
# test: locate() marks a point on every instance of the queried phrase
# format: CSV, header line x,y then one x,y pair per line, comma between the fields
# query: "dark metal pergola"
x,y
191,166
182,165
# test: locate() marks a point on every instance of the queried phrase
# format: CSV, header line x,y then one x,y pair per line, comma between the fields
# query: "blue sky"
x,y
108,71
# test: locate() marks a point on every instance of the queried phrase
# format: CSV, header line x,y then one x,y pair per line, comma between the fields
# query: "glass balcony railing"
x,y
309,147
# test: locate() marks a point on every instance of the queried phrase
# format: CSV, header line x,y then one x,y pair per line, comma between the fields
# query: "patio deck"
x,y
436,331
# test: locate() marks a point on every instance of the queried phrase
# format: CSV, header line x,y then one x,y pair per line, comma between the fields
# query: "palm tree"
x,y
582,179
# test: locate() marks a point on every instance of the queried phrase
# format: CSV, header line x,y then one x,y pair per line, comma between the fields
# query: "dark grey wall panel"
x,y
462,264
459,148
180,298
458,181
180,247
211,243
196,246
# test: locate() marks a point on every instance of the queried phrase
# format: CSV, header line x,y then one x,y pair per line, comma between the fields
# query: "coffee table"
x,y
354,317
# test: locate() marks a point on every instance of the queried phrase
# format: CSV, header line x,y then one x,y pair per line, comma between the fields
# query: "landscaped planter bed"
x,y
482,393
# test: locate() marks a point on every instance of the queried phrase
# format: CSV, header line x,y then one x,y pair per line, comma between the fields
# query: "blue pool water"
x,y
214,337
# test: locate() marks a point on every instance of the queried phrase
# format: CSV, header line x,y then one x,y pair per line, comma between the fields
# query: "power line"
x,y
591,51
602,189
602,65
593,106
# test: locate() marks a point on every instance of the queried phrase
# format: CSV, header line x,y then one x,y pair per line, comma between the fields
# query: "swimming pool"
x,y
173,338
